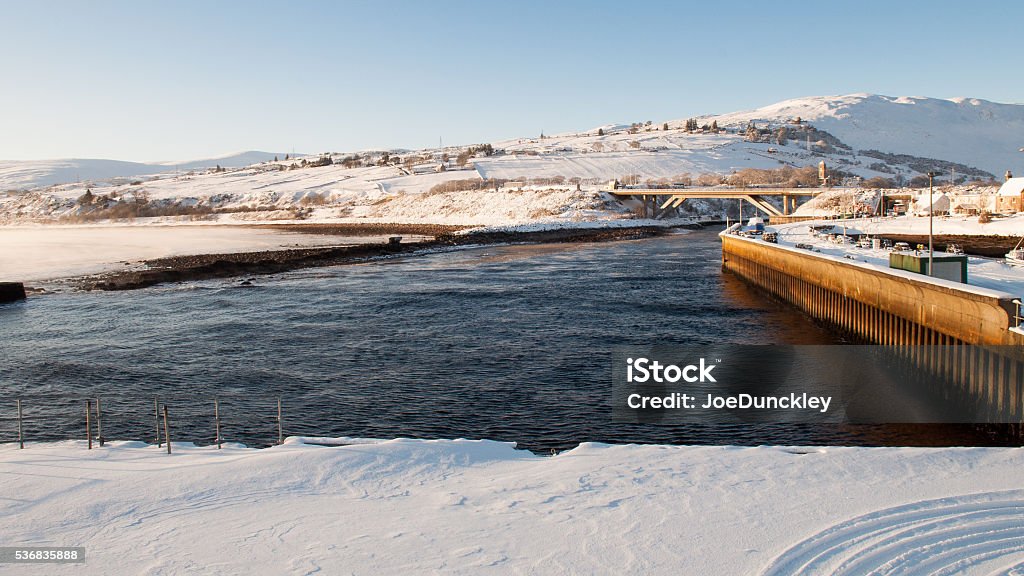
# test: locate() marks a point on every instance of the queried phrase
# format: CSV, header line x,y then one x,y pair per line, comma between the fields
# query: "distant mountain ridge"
x,y
971,131
25,174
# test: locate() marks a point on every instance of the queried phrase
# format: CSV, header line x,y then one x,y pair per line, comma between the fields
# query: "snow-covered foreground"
x,y
38,253
472,507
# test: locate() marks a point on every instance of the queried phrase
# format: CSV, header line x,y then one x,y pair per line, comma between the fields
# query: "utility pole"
x,y
931,218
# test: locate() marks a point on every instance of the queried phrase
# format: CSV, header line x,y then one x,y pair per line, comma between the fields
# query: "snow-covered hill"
x,y
970,131
857,135
22,175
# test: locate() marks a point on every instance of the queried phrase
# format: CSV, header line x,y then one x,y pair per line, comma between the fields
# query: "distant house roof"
x,y
940,202
1012,187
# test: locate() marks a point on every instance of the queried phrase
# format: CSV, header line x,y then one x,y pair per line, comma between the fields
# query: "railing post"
x,y
156,420
88,422
21,436
216,417
167,434
280,435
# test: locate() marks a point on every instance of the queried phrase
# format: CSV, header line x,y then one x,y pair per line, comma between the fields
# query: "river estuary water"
x,y
508,343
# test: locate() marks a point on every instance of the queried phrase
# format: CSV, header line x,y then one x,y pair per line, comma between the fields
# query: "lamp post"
x,y
931,217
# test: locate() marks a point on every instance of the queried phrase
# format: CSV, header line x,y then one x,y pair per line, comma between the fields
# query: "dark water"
x,y
503,342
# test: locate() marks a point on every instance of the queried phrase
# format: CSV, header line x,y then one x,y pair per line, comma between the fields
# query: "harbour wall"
x,y
966,338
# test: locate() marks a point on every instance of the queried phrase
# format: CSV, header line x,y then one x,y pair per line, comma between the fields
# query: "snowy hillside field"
x,y
543,178
478,507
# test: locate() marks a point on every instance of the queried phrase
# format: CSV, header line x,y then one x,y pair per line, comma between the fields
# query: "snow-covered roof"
x,y
1012,187
940,202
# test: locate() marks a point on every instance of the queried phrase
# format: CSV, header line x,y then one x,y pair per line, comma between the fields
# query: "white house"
x,y
940,204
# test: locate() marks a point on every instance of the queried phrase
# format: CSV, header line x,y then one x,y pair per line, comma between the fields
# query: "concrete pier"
x,y
967,338
11,291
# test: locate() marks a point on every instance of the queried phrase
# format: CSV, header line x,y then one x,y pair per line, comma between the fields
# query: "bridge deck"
x,y
755,196
715,192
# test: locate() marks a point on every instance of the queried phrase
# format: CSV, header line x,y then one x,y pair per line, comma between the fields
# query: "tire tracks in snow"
x,y
933,537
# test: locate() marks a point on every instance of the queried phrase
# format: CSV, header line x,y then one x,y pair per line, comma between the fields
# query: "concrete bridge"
x,y
756,196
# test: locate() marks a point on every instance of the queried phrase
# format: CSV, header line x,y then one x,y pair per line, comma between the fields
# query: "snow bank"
x,y
838,201
29,254
472,507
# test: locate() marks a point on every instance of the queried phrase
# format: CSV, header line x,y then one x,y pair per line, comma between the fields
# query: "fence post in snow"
x,y
99,423
88,422
280,435
156,419
21,436
167,434
216,418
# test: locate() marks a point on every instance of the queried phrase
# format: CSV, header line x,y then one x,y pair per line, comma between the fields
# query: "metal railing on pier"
x,y
157,420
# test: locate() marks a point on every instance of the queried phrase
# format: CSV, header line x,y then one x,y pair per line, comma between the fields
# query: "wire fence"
x,y
158,420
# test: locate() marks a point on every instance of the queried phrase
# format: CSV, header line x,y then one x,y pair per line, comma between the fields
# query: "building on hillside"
x,y
1010,197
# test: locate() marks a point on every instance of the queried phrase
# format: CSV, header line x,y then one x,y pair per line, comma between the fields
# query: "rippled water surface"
x,y
502,342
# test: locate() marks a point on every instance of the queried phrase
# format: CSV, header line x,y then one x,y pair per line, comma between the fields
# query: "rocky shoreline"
x,y
212,266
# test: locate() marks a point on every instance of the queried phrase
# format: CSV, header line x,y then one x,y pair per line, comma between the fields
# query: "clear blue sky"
x,y
142,80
